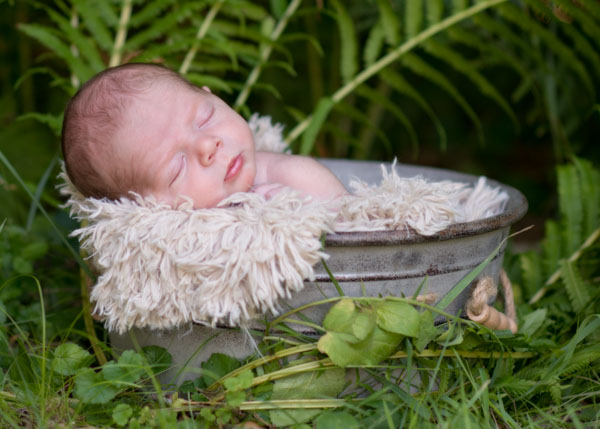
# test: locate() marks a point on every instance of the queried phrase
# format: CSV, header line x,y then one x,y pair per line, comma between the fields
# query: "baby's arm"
x,y
298,172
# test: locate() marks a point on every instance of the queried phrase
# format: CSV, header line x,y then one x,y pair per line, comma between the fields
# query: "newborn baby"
x,y
144,128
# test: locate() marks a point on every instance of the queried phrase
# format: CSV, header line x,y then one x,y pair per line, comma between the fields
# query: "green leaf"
x,y
413,17
397,81
319,116
551,246
577,290
240,382
127,370
532,270
398,317
149,12
121,414
217,366
92,20
336,420
421,68
234,399
348,40
374,44
460,64
309,385
379,345
435,11
427,331
571,207
92,388
533,321
389,22
69,358
158,358
340,317
35,250
590,191
364,323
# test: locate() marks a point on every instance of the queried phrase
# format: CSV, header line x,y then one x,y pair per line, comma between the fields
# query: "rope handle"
x,y
479,311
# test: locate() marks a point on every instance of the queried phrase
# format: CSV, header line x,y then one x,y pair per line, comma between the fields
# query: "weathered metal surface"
x,y
376,263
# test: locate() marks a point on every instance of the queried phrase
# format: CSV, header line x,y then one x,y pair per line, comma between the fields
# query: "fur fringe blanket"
x,y
162,267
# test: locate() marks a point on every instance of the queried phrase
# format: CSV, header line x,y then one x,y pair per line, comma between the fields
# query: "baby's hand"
x,y
268,190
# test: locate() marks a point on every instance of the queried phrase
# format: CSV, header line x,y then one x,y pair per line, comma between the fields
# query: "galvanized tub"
x,y
376,263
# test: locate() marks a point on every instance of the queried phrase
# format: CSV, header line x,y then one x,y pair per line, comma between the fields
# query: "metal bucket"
x,y
376,263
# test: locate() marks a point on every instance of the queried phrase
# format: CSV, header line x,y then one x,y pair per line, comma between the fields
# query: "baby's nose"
x,y
208,148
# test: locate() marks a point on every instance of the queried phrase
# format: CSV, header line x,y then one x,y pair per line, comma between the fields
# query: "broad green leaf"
x,y
310,385
340,317
389,22
127,370
348,40
451,337
217,366
375,348
240,382
398,317
571,207
319,116
460,64
121,414
413,17
577,289
92,388
158,358
427,331
420,67
70,358
336,420
363,323
397,81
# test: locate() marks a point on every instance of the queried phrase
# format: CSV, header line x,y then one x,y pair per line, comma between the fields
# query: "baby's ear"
x,y
206,88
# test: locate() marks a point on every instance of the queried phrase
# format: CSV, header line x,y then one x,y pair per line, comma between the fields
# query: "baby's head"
x,y
144,128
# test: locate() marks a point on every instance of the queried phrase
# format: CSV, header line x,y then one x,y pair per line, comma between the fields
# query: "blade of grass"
x,y
38,193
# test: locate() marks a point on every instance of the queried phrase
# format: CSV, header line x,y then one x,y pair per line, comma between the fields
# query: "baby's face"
x,y
186,142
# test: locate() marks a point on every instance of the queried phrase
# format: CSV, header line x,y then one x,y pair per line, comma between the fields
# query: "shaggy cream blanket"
x,y
162,267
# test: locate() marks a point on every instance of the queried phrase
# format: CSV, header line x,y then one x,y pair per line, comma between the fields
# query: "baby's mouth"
x,y
234,167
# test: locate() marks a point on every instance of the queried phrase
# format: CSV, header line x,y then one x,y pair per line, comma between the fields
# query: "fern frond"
x,y
93,21
583,46
374,43
49,38
349,43
375,97
413,17
517,386
592,7
571,206
434,11
590,191
85,46
396,81
210,81
463,66
587,23
532,269
582,359
158,28
389,22
149,12
577,289
551,247
243,9
420,67
513,14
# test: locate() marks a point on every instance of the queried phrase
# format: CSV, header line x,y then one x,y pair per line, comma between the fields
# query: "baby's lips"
x,y
234,167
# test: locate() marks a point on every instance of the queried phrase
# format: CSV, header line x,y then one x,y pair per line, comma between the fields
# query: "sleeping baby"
x,y
144,128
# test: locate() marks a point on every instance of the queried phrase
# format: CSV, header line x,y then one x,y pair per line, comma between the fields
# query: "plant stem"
x,y
264,54
84,282
117,51
210,16
385,61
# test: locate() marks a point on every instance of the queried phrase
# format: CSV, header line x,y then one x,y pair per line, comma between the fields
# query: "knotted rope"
x,y
480,311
